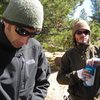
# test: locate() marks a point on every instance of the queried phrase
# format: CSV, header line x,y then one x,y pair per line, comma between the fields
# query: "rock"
x,y
54,60
48,54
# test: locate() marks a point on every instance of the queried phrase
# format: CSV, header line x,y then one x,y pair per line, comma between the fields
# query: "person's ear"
x,y
7,26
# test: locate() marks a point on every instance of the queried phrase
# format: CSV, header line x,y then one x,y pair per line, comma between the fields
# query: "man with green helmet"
x,y
24,69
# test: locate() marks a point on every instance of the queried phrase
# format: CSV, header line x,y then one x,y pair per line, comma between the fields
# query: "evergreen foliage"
x,y
3,5
96,10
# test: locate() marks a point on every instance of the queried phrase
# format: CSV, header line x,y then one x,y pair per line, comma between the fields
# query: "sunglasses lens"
x,y
36,33
23,32
20,31
86,32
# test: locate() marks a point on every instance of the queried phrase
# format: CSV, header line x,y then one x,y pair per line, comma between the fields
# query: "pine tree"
x,y
96,10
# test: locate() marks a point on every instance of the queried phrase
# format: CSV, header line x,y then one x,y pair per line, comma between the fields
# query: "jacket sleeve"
x,y
41,80
65,75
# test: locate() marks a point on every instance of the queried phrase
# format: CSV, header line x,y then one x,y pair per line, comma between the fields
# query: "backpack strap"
x,y
93,52
90,52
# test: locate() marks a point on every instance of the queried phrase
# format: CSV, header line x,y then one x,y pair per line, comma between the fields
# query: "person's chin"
x,y
84,42
17,46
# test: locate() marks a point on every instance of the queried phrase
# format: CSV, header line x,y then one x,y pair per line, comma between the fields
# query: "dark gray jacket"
x,y
25,74
73,60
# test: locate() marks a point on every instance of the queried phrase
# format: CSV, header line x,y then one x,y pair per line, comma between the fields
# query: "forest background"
x,y
56,33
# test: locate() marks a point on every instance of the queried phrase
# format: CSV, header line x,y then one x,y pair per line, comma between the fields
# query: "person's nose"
x,y
83,34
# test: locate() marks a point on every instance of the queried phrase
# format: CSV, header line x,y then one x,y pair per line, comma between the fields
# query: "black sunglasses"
x,y
86,32
23,32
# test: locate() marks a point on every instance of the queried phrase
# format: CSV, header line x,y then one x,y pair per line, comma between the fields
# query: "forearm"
x,y
40,91
67,79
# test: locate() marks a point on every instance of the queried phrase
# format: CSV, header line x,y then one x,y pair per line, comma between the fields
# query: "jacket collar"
x,y
4,42
82,46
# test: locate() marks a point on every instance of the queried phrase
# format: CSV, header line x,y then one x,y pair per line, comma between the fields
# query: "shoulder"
x,y
32,44
97,49
94,47
70,51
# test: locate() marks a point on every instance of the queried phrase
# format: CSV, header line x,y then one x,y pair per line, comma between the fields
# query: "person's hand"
x,y
83,74
86,74
93,61
90,62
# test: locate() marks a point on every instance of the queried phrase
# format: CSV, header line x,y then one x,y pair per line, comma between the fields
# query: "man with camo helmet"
x,y
24,69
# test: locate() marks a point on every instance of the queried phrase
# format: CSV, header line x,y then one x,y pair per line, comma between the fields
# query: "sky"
x,y
87,6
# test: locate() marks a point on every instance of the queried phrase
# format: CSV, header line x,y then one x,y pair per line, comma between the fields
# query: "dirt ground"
x,y
56,91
